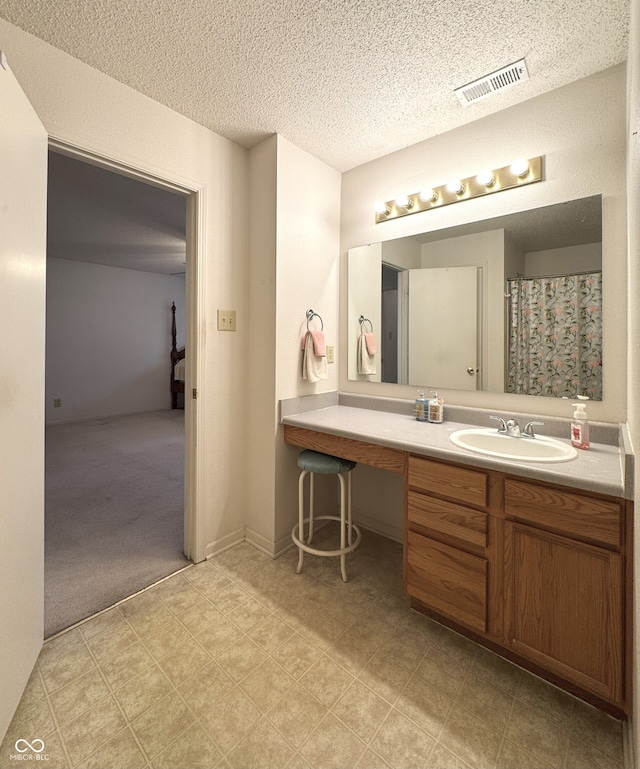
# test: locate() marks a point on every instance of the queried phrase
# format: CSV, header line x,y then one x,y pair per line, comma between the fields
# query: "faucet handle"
x,y
528,429
503,425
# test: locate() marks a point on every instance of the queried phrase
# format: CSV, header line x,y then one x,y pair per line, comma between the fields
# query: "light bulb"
x,y
428,195
380,208
520,168
403,201
486,178
455,186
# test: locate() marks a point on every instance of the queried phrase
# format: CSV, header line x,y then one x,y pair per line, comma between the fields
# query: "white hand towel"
x,y
366,361
314,367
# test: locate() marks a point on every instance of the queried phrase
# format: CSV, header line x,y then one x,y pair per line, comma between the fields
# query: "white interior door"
x,y
23,208
443,327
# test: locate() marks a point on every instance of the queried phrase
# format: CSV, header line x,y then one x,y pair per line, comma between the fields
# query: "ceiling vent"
x,y
489,84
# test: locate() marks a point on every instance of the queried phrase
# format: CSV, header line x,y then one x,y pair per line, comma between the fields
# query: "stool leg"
x,y
311,495
300,519
343,566
349,529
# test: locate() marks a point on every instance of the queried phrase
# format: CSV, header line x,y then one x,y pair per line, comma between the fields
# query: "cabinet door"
x,y
565,608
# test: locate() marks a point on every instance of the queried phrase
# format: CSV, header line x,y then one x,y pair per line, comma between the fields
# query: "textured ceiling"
x,y
101,217
573,223
346,80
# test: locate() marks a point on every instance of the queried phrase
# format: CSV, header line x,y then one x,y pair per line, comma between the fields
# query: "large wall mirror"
x,y
510,304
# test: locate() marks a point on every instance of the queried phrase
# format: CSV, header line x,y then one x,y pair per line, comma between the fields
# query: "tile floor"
x,y
239,662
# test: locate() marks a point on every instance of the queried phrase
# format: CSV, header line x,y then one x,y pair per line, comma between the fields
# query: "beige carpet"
x,y
114,511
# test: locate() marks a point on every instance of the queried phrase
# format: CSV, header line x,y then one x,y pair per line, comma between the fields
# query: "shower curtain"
x,y
555,336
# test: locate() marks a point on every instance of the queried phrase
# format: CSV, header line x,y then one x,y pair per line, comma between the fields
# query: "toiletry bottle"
x,y
420,408
580,427
436,408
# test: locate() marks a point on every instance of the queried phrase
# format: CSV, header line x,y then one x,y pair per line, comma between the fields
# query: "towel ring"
x,y
362,320
310,315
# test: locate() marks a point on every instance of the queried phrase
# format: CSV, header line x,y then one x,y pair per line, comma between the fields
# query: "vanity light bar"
x,y
516,174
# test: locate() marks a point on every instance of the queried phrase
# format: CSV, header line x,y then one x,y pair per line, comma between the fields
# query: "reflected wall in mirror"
x,y
509,304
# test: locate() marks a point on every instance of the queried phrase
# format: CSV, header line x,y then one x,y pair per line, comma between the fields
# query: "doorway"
x,y
390,327
123,257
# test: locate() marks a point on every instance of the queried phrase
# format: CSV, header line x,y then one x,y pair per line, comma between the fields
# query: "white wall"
x,y
308,242
579,129
294,246
81,106
403,253
108,339
261,355
307,277
564,261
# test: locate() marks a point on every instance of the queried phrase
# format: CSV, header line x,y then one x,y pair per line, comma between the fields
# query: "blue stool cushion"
x,y
315,462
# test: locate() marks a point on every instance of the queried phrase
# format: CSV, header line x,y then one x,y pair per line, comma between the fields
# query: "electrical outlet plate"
x,y
330,354
226,320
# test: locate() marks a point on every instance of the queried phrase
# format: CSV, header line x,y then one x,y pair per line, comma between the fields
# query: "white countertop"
x,y
600,468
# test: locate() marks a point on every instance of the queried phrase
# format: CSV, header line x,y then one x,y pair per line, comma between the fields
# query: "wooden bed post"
x,y
174,350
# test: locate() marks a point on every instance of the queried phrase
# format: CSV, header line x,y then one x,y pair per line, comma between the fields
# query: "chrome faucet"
x,y
512,428
527,432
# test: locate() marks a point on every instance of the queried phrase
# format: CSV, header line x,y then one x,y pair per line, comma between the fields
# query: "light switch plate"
x,y
226,320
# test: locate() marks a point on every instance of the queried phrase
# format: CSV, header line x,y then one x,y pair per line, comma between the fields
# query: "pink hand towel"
x,y
319,346
314,367
372,345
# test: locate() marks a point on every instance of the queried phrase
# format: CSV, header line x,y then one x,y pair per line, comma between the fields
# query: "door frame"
x,y
194,543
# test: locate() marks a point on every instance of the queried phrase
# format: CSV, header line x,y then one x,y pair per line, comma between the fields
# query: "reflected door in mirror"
x,y
442,328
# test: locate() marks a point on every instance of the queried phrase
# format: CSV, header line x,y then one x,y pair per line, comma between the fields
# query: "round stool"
x,y
311,462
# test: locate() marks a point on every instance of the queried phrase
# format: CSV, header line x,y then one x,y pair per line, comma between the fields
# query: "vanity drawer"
x,y
460,484
463,525
447,580
575,515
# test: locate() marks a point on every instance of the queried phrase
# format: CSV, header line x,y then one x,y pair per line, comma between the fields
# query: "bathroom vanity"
x,y
530,560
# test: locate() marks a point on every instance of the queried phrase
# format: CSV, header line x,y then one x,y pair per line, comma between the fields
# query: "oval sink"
x,y
486,440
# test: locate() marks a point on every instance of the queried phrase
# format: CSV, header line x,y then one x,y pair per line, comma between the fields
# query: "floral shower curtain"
x,y
555,336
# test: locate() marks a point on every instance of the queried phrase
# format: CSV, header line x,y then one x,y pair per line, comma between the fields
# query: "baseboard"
x,y
274,549
379,527
220,545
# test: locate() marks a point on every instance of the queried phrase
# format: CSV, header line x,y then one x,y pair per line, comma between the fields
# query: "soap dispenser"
x,y
436,408
421,408
580,427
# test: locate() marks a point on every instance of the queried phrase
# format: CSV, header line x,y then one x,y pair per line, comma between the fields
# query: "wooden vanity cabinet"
x,y
533,570
446,566
564,584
